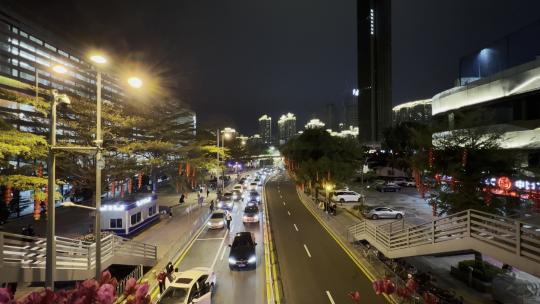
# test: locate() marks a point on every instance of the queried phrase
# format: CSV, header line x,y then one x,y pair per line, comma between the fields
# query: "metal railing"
x,y
137,273
482,231
29,252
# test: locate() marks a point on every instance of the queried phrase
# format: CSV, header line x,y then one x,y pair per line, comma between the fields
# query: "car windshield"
x,y
251,209
174,295
218,215
227,194
253,193
241,242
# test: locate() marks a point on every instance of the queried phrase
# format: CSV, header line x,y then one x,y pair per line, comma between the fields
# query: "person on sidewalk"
x,y
228,218
182,199
161,281
201,201
211,206
207,192
170,268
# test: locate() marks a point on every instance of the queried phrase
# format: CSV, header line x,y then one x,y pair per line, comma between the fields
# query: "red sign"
x,y
504,183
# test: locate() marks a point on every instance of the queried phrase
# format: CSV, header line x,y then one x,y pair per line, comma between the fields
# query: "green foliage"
x,y
485,272
317,154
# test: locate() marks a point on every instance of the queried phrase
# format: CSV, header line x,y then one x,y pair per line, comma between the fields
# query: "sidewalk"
x,y
439,266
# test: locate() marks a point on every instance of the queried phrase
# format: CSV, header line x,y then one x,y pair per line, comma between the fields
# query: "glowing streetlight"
x,y
99,59
60,69
135,82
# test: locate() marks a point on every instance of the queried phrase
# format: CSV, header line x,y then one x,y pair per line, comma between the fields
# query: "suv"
x,y
343,196
242,255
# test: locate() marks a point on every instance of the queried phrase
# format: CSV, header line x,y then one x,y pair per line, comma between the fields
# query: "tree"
x,y
316,157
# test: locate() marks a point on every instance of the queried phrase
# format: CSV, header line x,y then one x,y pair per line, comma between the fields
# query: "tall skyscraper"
x,y
331,116
374,69
350,106
287,127
265,128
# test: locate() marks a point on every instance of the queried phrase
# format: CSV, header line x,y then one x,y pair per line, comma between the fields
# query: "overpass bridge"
x,y
507,240
22,258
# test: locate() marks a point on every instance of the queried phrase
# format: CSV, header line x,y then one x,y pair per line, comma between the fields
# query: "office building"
x,y
350,109
315,123
265,128
287,127
412,111
374,69
331,120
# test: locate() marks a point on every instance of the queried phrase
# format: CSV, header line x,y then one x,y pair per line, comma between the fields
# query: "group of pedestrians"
x,y
164,275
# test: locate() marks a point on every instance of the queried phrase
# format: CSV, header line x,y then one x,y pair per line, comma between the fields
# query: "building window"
x,y
151,210
25,35
27,76
15,30
34,39
135,218
50,47
116,223
63,53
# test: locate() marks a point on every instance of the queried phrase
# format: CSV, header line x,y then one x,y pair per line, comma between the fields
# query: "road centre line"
x,y
330,297
209,239
284,204
295,227
223,253
288,212
217,253
307,251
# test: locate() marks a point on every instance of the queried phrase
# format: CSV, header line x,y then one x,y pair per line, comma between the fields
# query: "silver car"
x,y
384,212
217,220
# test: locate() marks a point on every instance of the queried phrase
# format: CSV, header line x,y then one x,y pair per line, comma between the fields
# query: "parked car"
x,y
388,187
242,254
192,286
404,182
237,187
384,212
346,196
217,220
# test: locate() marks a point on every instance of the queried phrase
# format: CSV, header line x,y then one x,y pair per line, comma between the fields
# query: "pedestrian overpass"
x,y
22,258
507,240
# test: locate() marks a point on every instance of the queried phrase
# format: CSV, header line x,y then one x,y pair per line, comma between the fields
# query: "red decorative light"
x,y
504,183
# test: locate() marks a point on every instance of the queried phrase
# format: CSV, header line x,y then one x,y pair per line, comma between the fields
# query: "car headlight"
x,y
252,259
258,198
220,204
245,217
232,260
256,217
222,223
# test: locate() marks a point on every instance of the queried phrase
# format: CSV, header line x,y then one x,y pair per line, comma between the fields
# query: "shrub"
x,y
485,272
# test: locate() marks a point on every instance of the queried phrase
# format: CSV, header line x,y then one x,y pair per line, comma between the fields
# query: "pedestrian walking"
x,y
161,281
182,199
169,268
228,218
170,212
207,192
201,201
211,206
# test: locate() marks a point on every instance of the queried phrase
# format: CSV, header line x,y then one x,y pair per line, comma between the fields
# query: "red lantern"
x,y
40,170
179,168
378,286
113,188
37,209
389,286
139,180
122,189
130,185
8,193
411,285
188,169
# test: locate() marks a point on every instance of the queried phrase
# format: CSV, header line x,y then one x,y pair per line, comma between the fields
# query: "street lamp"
x,y
50,261
328,187
99,60
135,82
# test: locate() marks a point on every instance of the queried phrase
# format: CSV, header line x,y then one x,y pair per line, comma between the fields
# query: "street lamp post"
x,y
99,141
50,261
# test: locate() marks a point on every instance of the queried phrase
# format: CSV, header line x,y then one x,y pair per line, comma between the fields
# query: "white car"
x,y
253,186
238,187
343,196
192,286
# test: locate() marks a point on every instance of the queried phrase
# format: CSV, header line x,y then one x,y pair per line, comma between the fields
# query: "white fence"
x,y
513,242
23,257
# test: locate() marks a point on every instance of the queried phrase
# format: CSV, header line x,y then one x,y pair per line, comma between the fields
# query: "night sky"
x,y
233,61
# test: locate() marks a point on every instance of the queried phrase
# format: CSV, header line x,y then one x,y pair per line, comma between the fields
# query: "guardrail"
x,y
29,253
511,241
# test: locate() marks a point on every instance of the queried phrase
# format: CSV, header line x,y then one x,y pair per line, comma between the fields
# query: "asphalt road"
x,y
314,268
210,250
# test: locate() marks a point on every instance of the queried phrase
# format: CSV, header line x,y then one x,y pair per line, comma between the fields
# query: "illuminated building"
x,y
286,127
265,128
413,111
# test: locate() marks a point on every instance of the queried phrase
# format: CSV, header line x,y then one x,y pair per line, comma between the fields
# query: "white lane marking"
x,y
280,196
330,297
284,204
295,227
307,251
289,213
209,239
217,253
223,253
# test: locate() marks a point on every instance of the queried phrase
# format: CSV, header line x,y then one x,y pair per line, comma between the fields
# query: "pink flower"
x,y
5,296
106,294
131,286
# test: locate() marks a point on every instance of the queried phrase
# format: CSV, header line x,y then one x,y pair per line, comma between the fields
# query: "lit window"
x,y
27,46
63,53
25,35
15,30
34,39
50,47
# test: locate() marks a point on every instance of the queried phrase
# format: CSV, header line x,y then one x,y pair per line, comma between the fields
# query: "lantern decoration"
x,y
179,168
37,209
384,286
113,188
8,193
430,158
464,158
40,170
46,202
404,293
122,189
130,185
355,296
430,298
188,169
139,180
